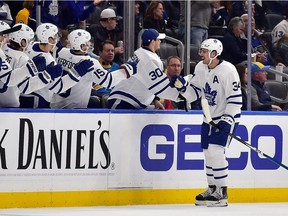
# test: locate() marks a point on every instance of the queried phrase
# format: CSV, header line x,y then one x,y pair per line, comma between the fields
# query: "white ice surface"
x,y
243,209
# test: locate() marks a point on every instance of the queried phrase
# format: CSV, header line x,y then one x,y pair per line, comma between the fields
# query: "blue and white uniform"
x,y
220,86
42,97
78,96
149,81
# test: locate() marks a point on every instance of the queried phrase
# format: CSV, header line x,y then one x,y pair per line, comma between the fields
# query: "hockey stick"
x,y
13,29
206,112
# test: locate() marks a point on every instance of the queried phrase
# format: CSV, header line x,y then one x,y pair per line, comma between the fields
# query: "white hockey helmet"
x,y
45,31
211,45
4,26
25,33
79,37
3,38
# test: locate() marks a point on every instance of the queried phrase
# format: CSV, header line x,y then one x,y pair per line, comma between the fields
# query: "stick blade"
x,y
13,29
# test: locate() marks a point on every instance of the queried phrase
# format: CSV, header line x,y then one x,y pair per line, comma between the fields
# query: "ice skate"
x,y
218,198
201,198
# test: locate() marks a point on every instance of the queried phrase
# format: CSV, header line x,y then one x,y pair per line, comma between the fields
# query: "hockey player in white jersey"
x,y
16,59
78,96
58,80
11,78
15,56
3,38
149,83
218,81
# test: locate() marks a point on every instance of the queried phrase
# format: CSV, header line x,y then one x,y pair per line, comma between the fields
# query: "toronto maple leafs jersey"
x,y
17,59
57,85
78,96
220,86
10,80
149,81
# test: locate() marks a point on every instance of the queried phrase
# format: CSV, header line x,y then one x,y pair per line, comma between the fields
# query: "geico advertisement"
x,y
90,151
164,151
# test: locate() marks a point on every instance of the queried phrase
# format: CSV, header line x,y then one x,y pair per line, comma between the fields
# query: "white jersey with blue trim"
x,y
149,81
221,87
10,79
78,96
17,59
59,85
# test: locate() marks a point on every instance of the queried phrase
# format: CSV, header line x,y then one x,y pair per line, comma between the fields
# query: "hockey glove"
x,y
82,67
44,77
54,71
219,135
130,68
179,83
37,64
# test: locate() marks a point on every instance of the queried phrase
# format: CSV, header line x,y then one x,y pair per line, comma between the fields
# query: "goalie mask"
x,y
80,40
45,31
23,37
212,45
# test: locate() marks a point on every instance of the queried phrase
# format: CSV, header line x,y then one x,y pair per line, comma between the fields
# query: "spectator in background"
x,y
23,16
200,20
259,44
99,94
234,48
280,30
74,13
154,17
260,98
237,8
139,19
5,13
281,50
15,7
49,12
174,67
107,30
220,16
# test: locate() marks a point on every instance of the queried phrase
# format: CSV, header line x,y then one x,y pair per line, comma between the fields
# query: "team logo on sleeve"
x,y
210,95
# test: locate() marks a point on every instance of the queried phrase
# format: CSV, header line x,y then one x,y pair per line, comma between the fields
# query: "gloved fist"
x,y
83,67
130,68
37,64
179,82
219,135
225,123
54,71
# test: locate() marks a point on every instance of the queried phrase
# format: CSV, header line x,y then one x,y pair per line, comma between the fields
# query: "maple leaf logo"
x,y
210,95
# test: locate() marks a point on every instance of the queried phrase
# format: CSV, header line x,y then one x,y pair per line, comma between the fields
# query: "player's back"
x,y
150,80
16,58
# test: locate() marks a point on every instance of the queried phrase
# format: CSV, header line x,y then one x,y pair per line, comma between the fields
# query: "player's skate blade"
x,y
217,203
200,203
